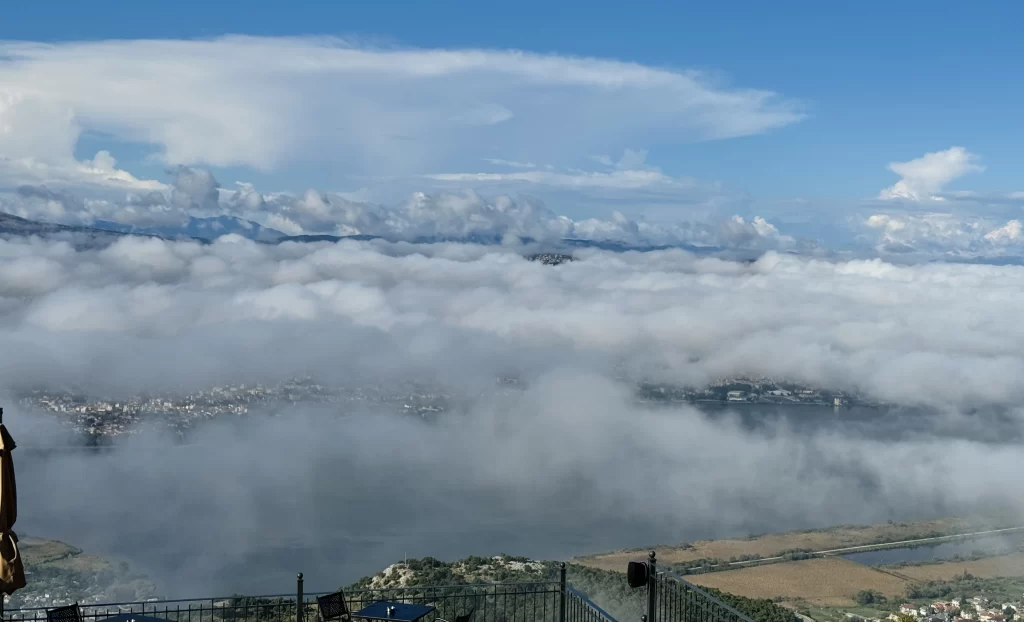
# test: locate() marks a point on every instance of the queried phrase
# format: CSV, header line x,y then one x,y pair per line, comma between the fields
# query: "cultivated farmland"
x,y
826,582
987,568
772,544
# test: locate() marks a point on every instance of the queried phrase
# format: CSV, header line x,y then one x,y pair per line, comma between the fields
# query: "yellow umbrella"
x,y
12,570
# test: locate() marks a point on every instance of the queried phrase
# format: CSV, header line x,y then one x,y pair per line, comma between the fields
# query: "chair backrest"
x,y
332,606
69,613
466,616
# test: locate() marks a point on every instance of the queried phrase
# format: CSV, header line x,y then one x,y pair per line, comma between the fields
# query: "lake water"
x,y
244,511
946,550
889,425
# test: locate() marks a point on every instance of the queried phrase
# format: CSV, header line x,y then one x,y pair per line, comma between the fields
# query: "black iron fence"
x,y
544,601
678,600
669,598
579,608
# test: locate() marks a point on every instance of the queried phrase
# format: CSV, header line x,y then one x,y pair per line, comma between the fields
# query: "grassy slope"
x,y
67,574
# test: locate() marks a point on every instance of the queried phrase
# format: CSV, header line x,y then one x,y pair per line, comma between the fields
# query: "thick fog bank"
x,y
568,467
572,464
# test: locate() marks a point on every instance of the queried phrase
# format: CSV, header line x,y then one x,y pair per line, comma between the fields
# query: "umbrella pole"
x,y
2,596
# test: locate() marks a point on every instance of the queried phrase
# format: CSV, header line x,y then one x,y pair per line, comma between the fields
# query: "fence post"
x,y
561,593
299,599
652,588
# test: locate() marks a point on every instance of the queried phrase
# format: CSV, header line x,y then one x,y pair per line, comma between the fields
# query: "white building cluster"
x,y
975,609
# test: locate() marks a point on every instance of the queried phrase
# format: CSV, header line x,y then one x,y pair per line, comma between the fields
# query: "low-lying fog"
x,y
572,464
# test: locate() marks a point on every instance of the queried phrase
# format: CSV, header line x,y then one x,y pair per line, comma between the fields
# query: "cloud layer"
x,y
264,102
457,214
549,471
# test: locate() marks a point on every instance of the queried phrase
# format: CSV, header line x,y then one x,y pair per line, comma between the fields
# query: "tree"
x,y
865,597
869,597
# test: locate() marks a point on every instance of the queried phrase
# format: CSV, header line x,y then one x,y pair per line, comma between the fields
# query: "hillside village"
x,y
754,390
976,609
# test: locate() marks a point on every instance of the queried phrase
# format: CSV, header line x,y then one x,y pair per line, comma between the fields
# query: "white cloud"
x,y
631,159
935,326
917,216
551,461
265,102
510,163
457,214
925,177
942,233
616,180
628,181
1010,232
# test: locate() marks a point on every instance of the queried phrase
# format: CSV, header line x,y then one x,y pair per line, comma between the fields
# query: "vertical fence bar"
x,y
561,593
299,600
652,587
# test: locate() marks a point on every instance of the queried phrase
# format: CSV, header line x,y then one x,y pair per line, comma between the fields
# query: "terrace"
x,y
668,599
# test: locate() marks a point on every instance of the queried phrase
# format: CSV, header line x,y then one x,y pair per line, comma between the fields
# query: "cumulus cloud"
x,y
263,102
917,216
945,234
924,178
456,214
549,471
1010,232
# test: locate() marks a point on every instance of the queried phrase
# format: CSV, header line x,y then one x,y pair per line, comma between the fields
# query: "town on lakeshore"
x,y
106,417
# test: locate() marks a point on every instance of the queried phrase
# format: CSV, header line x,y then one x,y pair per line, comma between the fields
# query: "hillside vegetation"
x,y
606,588
59,573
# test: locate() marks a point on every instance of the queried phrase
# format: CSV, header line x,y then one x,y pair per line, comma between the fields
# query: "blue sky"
x,y
874,82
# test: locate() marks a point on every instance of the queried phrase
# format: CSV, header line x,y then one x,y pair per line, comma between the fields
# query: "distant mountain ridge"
x,y
81,237
205,230
200,228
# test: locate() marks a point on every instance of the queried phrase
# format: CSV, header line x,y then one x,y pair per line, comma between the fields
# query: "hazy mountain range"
x,y
208,229
200,228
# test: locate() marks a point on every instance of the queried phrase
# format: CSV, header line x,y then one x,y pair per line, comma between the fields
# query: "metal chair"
x,y
68,613
333,607
463,618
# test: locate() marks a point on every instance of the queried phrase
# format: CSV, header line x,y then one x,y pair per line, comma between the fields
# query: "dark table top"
x,y
404,612
133,617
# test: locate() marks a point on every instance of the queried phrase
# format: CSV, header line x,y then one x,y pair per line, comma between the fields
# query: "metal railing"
x,y
678,600
670,598
579,608
541,601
